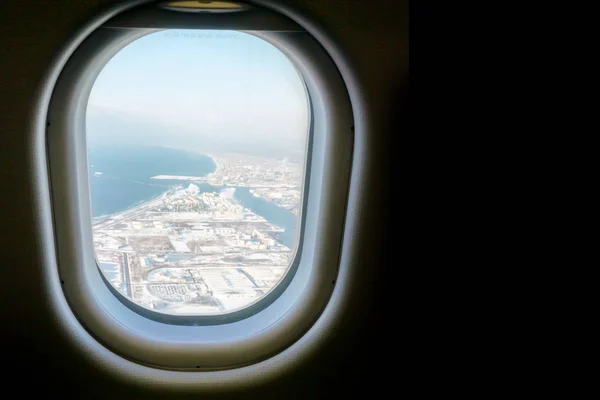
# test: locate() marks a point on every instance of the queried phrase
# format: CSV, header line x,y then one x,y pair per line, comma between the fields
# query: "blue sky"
x,y
189,88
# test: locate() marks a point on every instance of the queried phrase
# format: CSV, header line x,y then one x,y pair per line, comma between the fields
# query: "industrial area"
x,y
189,252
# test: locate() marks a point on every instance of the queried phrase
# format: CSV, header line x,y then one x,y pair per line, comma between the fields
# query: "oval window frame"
x,y
262,302
217,346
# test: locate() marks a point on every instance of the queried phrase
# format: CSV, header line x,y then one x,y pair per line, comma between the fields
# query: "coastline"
x,y
209,155
115,218
270,211
131,210
140,204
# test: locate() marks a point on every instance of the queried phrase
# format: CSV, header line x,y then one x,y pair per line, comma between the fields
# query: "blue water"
x,y
125,181
126,173
276,215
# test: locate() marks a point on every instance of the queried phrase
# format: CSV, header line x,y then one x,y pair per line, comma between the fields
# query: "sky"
x,y
211,90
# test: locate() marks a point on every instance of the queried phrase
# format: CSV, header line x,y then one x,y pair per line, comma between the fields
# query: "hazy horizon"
x,y
219,91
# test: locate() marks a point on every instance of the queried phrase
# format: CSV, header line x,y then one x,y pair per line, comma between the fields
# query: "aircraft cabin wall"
x,y
39,359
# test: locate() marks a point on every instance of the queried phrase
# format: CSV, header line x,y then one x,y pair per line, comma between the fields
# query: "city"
x,y
274,180
190,252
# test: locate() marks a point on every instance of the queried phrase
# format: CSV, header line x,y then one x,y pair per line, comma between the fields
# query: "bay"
x,y
120,179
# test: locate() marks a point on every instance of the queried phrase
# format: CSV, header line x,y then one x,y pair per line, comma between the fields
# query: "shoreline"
x,y
116,218
177,182
105,217
209,155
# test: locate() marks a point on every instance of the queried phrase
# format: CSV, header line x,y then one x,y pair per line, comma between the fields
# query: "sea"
x,y
120,179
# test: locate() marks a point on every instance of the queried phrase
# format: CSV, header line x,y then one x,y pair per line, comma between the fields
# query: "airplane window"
x,y
197,142
199,167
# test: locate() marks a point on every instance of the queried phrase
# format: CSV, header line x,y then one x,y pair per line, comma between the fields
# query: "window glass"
x,y
196,154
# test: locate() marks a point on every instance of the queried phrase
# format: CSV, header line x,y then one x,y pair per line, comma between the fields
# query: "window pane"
x,y
196,149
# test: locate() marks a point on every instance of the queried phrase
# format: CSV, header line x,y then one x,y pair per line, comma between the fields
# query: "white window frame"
x,y
112,41
294,323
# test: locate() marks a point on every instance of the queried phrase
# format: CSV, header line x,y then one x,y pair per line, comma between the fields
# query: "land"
x,y
276,180
188,252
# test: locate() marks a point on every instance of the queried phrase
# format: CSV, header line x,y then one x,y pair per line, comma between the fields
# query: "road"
x,y
126,277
